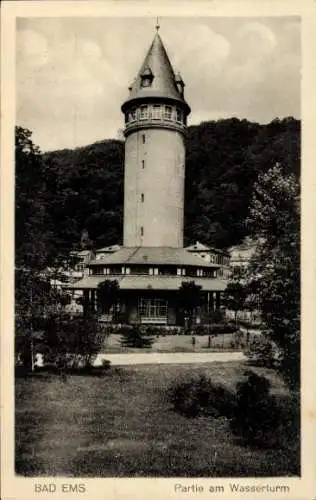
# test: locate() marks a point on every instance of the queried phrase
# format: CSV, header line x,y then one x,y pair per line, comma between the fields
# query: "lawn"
x,y
122,425
177,343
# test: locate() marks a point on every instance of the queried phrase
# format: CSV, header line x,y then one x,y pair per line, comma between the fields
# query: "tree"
x,y
274,219
31,232
189,299
234,297
108,295
34,301
73,341
256,416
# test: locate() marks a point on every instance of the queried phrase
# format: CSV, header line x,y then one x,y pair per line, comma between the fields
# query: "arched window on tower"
x,y
132,115
143,112
168,113
178,115
156,112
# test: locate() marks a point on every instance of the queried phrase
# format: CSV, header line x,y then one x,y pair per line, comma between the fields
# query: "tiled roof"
x,y
164,80
154,256
81,252
200,247
150,282
197,246
111,248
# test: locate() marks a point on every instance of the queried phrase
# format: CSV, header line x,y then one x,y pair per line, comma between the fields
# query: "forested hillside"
x,y
63,194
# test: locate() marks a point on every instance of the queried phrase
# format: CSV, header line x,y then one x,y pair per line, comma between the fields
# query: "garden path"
x,y
153,358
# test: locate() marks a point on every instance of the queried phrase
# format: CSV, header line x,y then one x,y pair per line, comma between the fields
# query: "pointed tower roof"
x,y
156,77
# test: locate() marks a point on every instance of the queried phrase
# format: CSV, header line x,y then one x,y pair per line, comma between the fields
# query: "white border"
x,y
23,488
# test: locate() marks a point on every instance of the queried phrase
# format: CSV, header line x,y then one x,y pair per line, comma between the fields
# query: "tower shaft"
x,y
154,188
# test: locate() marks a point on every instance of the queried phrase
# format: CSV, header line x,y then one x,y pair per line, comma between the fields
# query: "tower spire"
x,y
157,24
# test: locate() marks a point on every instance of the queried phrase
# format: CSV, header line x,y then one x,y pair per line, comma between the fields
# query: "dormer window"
x,y
179,83
146,77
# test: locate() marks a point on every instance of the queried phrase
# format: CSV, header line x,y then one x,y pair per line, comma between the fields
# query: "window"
x,y
143,163
151,271
106,270
132,115
143,113
178,115
146,78
156,113
179,272
142,197
127,270
143,138
199,272
156,271
183,272
168,113
99,271
141,231
153,308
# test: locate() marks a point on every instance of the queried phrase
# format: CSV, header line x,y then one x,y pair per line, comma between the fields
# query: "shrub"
x,y
215,329
256,415
134,337
262,352
198,395
72,340
106,364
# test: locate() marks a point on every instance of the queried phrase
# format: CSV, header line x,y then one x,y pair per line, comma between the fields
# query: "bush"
x,y
198,395
215,329
135,337
256,415
68,367
106,364
262,352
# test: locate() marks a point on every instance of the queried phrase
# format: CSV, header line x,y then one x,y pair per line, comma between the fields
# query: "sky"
x,y
72,74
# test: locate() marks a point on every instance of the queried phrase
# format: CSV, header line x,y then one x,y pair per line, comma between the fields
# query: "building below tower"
x,y
149,279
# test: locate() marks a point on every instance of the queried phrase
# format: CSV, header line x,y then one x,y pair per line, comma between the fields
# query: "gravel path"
x,y
169,358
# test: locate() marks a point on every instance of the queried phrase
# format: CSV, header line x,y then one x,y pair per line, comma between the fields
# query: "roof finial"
x,y
157,24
